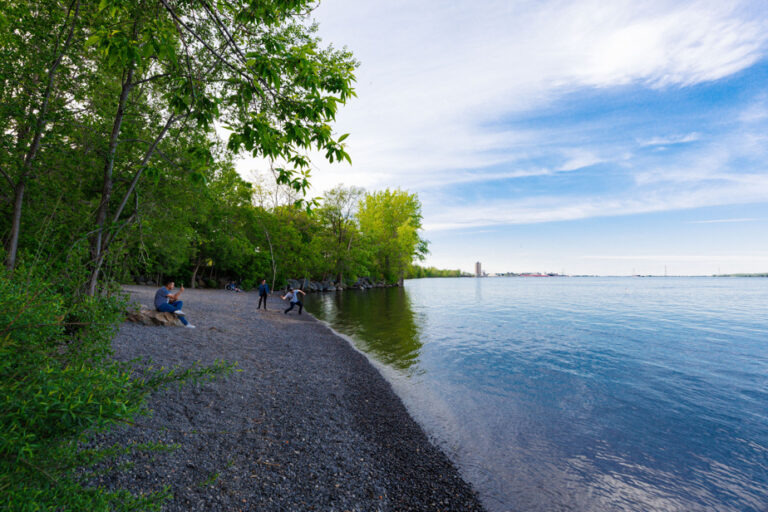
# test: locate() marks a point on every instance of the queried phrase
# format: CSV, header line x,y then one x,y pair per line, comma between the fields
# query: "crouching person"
x,y
293,297
167,302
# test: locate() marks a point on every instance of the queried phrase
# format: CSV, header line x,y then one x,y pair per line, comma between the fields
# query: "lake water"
x,y
580,394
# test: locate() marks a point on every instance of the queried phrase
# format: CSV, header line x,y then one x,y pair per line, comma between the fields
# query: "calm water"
x,y
604,394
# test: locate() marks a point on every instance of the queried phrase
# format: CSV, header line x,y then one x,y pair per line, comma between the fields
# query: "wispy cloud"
x,y
434,79
579,159
672,258
503,113
534,210
670,140
726,221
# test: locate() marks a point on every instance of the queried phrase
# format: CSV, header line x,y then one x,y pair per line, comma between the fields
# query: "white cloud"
x,y
671,258
477,94
435,78
721,221
577,158
533,210
670,140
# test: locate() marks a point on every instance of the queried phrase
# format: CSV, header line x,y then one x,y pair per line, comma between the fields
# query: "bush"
x,y
58,387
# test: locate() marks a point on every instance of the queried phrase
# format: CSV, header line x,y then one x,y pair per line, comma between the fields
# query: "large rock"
x,y
147,316
304,284
363,283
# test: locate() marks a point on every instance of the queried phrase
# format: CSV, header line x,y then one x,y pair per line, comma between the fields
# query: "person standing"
x,y
263,294
167,302
293,296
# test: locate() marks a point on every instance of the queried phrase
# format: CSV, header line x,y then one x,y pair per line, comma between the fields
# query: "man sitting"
x,y
167,302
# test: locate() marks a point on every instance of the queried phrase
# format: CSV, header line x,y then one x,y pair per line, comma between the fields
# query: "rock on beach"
x,y
145,316
306,423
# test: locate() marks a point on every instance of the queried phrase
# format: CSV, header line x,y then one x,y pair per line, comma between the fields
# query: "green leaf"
x,y
94,39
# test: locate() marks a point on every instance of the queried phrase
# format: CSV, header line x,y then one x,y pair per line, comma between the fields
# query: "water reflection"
x,y
381,321
620,395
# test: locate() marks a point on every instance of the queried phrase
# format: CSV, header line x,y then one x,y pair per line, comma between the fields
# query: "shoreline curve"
x,y
306,423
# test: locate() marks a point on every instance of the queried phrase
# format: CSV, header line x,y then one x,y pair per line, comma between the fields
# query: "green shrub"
x,y
59,387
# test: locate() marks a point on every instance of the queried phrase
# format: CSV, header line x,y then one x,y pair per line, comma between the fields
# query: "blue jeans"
x,y
169,307
297,303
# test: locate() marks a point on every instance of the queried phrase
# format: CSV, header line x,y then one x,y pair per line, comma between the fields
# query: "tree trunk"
x,y
13,242
106,239
272,256
143,165
97,257
194,273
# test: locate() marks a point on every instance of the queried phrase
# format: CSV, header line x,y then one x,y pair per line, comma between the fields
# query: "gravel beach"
x,y
305,424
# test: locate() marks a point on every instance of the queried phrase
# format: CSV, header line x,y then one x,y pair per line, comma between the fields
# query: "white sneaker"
x,y
189,326
179,312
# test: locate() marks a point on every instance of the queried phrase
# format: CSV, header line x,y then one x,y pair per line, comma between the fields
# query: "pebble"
x,y
266,429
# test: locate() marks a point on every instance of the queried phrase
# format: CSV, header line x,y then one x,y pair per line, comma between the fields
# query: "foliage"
x,y
391,219
103,96
211,233
58,387
110,169
340,241
416,272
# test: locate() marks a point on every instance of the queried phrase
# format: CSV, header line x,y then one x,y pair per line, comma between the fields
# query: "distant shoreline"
x,y
610,276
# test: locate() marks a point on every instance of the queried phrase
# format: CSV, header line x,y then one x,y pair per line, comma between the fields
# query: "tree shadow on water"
x,y
381,322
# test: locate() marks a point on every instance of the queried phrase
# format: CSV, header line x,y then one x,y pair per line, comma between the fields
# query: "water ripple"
x,y
581,394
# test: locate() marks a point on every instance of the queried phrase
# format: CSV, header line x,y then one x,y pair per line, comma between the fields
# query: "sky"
x,y
584,137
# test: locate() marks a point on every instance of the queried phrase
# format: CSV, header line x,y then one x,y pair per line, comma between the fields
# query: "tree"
x,y
391,220
255,66
117,78
34,39
340,237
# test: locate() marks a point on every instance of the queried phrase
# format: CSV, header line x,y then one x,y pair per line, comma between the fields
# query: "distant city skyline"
x,y
586,136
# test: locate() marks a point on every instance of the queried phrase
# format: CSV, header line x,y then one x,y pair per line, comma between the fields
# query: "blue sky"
x,y
588,137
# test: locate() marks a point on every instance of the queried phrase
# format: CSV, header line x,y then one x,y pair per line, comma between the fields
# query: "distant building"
x,y
478,270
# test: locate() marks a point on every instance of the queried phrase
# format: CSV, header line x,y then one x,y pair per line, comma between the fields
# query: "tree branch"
x,y
223,28
219,57
153,77
8,178
163,155
250,79
150,151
